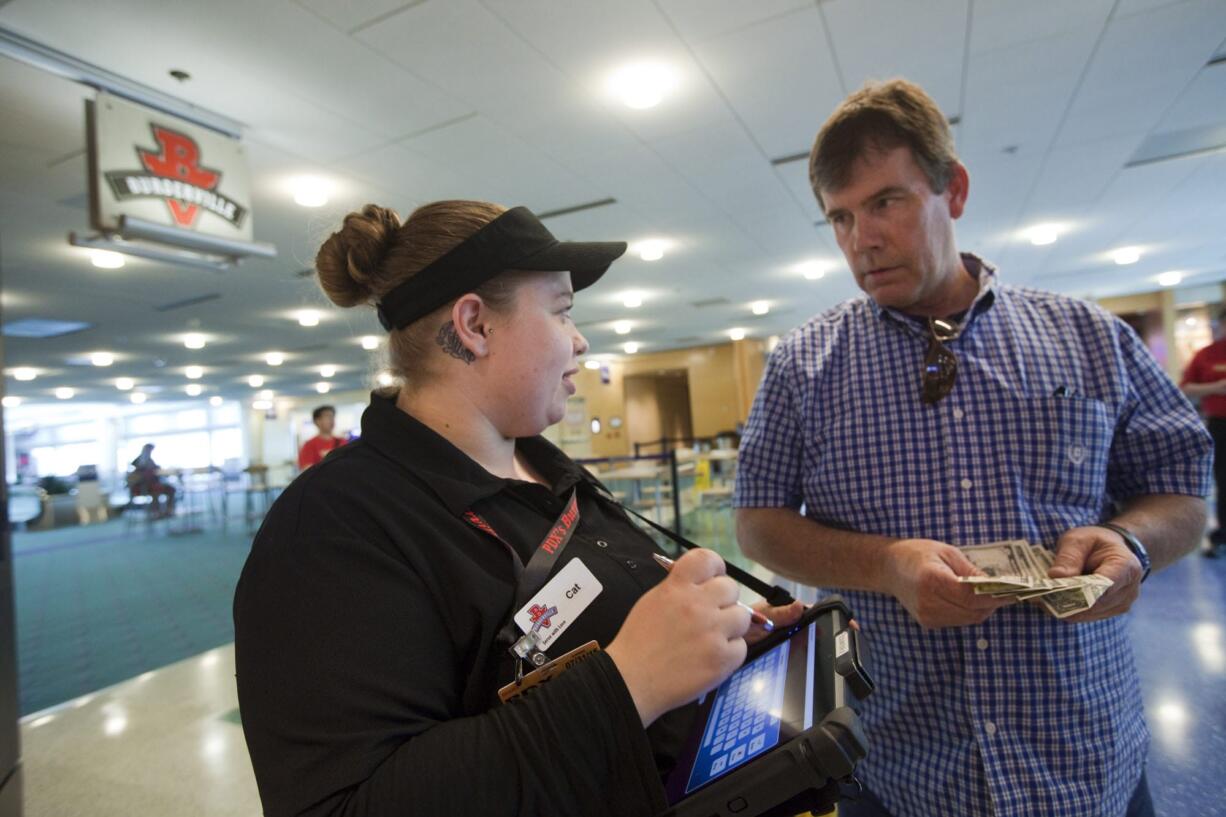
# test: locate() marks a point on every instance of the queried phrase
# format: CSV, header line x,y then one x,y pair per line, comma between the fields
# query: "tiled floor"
x,y
1179,634
165,744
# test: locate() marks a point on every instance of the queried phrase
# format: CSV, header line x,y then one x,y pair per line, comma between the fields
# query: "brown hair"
x,y
879,117
373,253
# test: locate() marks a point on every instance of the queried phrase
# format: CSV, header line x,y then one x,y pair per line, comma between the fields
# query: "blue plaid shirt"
x,y
1058,411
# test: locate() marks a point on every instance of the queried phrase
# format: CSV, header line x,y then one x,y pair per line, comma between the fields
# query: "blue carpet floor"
x,y
103,603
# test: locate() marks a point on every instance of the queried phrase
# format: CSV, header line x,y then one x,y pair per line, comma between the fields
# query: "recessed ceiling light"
x,y
1126,255
261,405
812,270
1170,278
42,328
622,327
308,317
651,249
327,371
215,400
591,364
632,300
266,394
138,397
65,393
193,389
11,401
194,372
760,307
630,348
124,383
311,191
101,359
274,358
24,373
736,334
323,388
385,378
1043,234
105,259
255,381
370,343
194,340
642,85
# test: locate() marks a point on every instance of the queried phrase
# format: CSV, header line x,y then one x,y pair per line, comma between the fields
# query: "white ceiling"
x,y
405,102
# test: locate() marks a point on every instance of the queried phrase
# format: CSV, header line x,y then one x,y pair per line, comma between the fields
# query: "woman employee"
x,y
373,619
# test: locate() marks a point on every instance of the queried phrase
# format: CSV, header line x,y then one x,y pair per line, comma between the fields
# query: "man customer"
x,y
944,408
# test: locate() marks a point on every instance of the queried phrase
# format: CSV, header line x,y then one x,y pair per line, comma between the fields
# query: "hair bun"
x,y
350,262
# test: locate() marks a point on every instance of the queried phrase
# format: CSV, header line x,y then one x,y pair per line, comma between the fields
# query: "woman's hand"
x,y
682,637
783,616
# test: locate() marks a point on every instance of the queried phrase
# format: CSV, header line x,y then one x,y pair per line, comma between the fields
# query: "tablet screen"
x,y
764,704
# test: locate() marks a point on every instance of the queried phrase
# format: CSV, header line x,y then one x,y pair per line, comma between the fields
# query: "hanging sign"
x,y
159,168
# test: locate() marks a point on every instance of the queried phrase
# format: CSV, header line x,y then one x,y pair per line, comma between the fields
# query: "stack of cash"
x,y
1018,569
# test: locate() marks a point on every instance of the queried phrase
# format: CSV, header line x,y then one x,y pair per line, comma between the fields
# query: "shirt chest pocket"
x,y
1059,449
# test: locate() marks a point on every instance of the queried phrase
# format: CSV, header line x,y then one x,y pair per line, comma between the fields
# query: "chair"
x,y
29,507
140,503
257,486
90,502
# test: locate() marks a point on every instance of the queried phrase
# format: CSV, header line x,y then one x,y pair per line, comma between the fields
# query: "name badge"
x,y
559,603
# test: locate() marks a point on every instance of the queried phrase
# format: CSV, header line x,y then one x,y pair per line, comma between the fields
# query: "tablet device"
x,y
781,731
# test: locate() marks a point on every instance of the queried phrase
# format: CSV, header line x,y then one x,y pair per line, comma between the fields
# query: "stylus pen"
x,y
754,615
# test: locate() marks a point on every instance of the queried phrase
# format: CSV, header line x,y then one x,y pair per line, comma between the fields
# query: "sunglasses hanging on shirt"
x,y
940,365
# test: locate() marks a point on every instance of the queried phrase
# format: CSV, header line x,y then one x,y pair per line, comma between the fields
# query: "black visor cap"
x,y
516,240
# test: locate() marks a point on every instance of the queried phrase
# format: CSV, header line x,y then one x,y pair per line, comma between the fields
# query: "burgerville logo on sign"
x,y
174,173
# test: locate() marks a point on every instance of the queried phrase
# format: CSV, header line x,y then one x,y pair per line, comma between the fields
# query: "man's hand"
x,y
923,575
1102,551
781,617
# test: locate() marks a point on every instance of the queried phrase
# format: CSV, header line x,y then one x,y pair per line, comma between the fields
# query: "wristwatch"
x,y
1134,544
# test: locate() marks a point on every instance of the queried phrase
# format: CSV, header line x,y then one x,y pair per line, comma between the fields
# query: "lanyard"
x,y
775,595
531,578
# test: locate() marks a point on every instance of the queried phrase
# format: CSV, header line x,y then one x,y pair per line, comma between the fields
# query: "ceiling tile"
x,y
923,42
779,77
699,20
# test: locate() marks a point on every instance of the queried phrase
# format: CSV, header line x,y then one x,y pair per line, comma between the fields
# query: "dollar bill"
x,y
1018,569
1002,559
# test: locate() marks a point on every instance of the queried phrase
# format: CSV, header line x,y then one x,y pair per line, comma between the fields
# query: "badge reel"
x,y
528,649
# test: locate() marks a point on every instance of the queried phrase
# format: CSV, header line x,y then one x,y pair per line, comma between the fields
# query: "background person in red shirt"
x,y
314,449
1205,379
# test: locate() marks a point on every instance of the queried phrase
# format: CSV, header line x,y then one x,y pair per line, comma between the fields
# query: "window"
x,y
63,460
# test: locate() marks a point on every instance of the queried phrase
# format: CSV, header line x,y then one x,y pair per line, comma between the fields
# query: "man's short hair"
x,y
879,117
320,410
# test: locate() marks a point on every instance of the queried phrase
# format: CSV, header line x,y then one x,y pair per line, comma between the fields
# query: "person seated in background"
x,y
316,448
144,480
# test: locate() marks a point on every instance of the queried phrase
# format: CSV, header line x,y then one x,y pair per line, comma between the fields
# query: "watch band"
x,y
1132,543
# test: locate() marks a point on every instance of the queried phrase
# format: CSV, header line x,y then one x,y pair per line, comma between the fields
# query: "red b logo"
x,y
179,159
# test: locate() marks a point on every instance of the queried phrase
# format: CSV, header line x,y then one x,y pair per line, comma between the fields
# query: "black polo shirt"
x,y
365,624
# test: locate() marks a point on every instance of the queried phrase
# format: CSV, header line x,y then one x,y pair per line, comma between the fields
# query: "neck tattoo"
x,y
450,343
